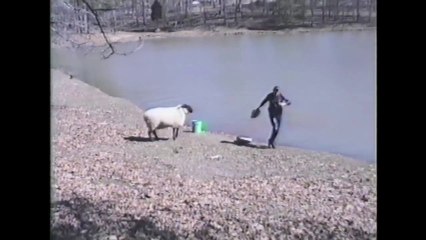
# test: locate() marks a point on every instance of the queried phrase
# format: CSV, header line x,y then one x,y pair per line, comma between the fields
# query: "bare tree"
x,y
85,23
329,8
237,9
303,10
204,12
324,2
81,11
312,5
336,14
265,7
111,47
85,17
224,12
143,12
135,11
165,9
76,20
370,10
357,10
186,8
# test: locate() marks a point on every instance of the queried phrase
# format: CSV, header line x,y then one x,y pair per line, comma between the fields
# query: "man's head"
x,y
275,89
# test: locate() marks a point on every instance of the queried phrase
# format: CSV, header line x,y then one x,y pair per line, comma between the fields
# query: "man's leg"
x,y
276,128
270,140
278,125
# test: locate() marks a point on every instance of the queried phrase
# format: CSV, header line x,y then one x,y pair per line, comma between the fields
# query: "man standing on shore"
x,y
276,100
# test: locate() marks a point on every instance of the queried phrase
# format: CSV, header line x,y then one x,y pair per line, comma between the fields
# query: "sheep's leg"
x,y
156,136
174,133
149,135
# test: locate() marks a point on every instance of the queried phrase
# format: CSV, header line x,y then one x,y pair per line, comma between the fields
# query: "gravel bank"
x,y
108,182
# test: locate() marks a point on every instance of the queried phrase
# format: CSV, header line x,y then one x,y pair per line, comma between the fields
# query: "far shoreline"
x,y
97,40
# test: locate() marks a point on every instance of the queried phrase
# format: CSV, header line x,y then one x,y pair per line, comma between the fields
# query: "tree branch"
x,y
60,23
101,28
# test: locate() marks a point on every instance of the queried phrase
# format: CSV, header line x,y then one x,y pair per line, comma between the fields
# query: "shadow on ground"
x,y
143,139
100,221
245,144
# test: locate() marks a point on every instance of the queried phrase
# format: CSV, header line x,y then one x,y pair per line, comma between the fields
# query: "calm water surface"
x,y
329,77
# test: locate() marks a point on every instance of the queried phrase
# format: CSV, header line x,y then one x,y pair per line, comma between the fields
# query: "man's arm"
x,y
265,100
283,99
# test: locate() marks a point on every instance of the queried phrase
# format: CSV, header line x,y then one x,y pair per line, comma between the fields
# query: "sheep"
x,y
164,117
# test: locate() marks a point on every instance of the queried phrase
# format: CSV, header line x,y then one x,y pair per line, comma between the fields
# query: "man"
x,y
275,109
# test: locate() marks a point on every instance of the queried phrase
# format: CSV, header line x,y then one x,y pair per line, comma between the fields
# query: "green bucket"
x,y
200,127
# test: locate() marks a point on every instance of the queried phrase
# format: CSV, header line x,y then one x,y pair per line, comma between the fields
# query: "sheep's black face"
x,y
187,107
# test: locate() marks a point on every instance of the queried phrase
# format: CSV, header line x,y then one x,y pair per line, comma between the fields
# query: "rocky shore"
x,y
110,182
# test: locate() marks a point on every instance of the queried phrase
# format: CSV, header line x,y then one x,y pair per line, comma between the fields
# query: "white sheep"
x,y
164,117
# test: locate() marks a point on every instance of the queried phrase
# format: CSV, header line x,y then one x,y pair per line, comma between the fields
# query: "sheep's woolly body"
x,y
164,117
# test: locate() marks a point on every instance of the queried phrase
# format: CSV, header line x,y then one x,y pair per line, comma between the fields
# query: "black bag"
x,y
255,113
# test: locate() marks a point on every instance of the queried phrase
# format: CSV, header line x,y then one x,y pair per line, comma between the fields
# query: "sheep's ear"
x,y
188,108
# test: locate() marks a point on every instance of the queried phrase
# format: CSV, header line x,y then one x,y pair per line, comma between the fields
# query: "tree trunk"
x,y
370,10
133,9
265,7
186,8
344,11
204,14
357,10
329,9
237,10
224,12
336,17
136,13
76,25
324,2
165,10
312,8
76,28
114,20
86,26
143,12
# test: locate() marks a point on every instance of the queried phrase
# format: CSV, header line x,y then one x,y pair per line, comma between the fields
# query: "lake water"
x,y
330,77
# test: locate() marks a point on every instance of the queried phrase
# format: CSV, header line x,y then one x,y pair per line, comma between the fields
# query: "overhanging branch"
x,y
101,28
